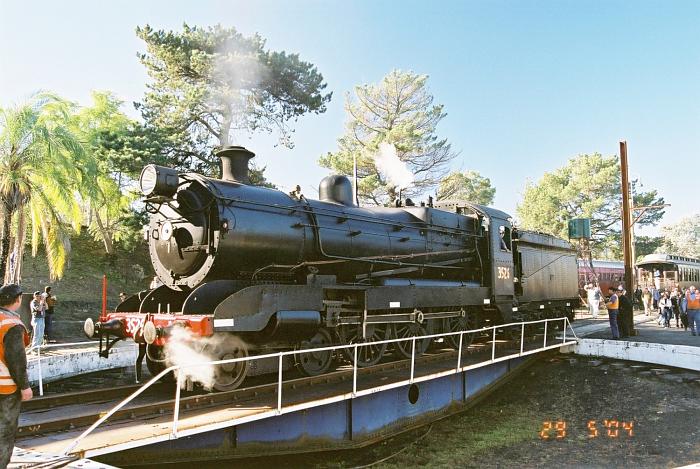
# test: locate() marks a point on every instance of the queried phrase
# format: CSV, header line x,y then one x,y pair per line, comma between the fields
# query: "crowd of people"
x,y
678,305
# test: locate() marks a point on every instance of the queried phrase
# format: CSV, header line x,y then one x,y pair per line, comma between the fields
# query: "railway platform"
x,y
653,344
55,361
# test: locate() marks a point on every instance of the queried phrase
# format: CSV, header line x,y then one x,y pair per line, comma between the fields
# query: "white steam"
x,y
240,74
391,167
191,352
239,66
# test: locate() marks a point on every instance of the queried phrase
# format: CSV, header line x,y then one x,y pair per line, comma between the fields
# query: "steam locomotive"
x,y
264,270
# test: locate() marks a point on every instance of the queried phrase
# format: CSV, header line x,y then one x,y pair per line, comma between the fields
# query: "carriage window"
x,y
504,233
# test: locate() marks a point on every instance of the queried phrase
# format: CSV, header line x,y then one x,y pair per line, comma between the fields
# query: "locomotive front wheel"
x,y
367,355
406,330
229,376
316,363
155,363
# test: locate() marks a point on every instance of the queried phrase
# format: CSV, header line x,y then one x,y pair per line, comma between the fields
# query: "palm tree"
x,y
42,167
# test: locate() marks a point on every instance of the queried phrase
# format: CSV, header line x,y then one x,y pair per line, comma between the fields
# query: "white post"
x,y
493,345
354,372
522,339
546,321
41,377
459,351
279,387
564,337
413,357
176,413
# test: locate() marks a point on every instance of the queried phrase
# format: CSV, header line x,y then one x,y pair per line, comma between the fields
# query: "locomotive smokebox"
x,y
233,162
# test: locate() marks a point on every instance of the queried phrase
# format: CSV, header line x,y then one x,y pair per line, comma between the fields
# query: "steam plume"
x,y
184,348
391,167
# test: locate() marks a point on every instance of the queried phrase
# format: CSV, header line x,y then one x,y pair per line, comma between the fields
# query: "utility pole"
x,y
627,230
626,218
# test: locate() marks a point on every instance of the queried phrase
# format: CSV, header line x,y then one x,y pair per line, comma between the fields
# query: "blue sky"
x,y
526,84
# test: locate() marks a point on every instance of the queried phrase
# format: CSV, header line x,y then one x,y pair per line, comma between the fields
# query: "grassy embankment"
x,y
80,290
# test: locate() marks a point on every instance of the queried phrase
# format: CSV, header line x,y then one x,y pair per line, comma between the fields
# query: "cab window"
x,y
504,234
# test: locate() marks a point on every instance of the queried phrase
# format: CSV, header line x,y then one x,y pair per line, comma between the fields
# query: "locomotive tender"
x,y
264,270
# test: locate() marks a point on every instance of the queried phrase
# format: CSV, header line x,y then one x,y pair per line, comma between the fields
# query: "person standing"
x,y
676,305
613,305
638,297
14,383
666,308
593,296
692,303
38,309
625,313
50,301
646,300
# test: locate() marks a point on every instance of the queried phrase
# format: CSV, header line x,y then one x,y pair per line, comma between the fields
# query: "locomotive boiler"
x,y
265,270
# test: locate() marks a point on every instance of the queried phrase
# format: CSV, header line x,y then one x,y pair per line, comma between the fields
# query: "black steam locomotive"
x,y
268,270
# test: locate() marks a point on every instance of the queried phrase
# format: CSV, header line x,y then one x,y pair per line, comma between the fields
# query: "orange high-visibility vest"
x,y
614,304
7,322
693,304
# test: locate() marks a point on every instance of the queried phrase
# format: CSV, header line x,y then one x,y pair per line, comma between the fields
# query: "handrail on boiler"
x,y
355,393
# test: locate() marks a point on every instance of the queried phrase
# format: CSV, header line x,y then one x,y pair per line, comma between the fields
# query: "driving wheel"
x,y
369,354
316,363
406,330
229,376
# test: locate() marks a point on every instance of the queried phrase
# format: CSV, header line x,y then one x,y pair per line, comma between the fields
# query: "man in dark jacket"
x,y
626,313
14,384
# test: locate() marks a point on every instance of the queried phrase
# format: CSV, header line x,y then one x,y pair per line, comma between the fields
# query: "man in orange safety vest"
x,y
692,307
14,384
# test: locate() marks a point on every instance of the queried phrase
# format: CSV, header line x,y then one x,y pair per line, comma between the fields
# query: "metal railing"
x,y
280,409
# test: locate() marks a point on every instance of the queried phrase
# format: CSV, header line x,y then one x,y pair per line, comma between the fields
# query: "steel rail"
x,y
85,396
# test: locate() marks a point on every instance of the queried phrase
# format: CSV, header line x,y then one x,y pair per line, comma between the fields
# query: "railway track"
x,y
80,409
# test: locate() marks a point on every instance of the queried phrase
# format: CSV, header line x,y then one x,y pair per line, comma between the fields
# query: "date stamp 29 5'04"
x,y
558,429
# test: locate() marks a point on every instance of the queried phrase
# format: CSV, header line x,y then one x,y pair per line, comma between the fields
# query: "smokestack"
x,y
233,162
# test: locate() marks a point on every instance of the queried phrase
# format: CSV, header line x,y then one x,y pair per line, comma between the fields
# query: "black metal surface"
x,y
234,163
336,189
267,230
295,325
548,268
162,300
205,298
